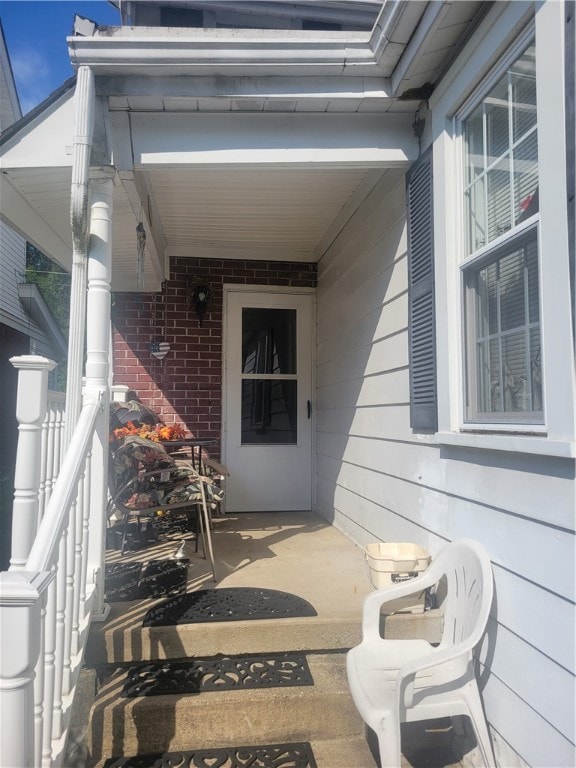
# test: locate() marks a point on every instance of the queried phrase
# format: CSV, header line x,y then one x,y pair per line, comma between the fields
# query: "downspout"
x,y
84,108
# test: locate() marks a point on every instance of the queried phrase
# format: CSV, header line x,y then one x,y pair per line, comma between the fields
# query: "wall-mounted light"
x,y
200,297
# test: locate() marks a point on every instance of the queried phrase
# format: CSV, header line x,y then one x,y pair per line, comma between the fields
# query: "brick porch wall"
x,y
187,385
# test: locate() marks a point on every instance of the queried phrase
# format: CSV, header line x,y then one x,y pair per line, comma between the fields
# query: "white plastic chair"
x,y
396,681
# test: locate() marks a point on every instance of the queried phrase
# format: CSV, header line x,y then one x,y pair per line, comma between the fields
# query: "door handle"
x,y
309,408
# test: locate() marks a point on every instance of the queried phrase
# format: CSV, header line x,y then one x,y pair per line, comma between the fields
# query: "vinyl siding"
x,y
12,266
379,480
12,310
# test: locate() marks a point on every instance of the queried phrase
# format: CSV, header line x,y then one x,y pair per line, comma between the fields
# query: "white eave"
x,y
408,47
245,52
170,51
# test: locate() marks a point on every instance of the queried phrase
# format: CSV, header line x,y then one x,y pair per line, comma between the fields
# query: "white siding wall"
x,y
12,311
12,266
378,480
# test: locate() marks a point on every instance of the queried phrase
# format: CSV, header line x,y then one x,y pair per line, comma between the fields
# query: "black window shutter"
x,y
421,314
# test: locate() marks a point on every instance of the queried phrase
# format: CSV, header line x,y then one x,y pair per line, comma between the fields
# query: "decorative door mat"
x,y
218,673
298,755
142,581
229,604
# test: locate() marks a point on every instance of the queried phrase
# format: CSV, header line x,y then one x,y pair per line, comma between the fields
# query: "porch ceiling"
x,y
250,213
235,213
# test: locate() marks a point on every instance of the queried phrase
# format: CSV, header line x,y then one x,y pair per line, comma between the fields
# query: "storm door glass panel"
x,y
269,385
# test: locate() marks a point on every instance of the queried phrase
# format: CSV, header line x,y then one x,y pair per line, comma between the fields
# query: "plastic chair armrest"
x,y
374,602
407,672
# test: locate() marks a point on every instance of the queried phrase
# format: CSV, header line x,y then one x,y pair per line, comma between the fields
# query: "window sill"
x,y
542,446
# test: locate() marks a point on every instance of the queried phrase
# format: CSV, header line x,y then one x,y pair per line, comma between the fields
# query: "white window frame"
x,y
495,45
469,262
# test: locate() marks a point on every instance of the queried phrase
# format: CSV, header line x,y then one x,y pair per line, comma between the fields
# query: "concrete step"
x,y
347,752
144,725
328,753
122,638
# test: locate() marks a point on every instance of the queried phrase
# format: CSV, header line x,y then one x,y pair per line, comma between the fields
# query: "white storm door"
x,y
268,423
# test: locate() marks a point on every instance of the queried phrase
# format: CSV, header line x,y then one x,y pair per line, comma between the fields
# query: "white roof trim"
x,y
156,50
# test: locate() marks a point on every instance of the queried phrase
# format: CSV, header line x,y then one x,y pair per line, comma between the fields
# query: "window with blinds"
x,y
500,272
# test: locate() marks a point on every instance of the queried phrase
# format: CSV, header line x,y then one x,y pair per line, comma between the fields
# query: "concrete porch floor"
x,y
295,552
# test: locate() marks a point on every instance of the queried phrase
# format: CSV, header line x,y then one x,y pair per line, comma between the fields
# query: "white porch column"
x,y
97,370
84,105
30,413
21,600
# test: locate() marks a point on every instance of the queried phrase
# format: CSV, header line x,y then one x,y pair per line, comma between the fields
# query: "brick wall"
x,y
187,385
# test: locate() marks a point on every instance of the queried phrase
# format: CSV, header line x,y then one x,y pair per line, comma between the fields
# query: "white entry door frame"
x,y
271,467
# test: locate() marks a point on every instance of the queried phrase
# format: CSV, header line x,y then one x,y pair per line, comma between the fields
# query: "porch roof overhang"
x,y
231,143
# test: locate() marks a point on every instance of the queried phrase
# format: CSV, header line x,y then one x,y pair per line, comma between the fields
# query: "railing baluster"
x,y
58,722
78,568
50,460
43,463
58,448
49,673
39,689
85,533
69,610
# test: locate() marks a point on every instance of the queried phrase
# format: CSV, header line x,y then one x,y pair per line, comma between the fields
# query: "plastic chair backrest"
x,y
469,589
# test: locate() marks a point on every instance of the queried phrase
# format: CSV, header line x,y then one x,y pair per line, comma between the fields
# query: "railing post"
x,y
97,371
30,412
21,600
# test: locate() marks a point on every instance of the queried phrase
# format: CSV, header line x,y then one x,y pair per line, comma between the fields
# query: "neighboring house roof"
x,y
10,110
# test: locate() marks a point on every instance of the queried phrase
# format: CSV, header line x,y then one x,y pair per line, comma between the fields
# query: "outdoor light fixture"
x,y
200,297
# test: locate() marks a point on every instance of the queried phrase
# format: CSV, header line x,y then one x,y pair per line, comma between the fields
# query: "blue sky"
x,y
35,32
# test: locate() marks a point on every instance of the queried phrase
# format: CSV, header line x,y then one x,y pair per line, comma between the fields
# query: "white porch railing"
x,y
54,586
50,593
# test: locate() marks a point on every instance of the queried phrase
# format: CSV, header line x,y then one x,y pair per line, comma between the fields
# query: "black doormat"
x,y
142,581
297,755
218,673
229,604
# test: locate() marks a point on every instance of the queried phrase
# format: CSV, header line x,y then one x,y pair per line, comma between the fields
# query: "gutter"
x,y
197,51
173,50
393,30
84,107
111,51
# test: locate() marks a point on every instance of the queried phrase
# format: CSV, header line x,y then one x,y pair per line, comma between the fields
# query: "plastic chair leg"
x,y
389,743
478,720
